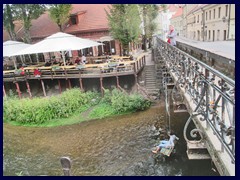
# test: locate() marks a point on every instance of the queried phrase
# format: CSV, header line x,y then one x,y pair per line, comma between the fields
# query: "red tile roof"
x,y
92,17
178,13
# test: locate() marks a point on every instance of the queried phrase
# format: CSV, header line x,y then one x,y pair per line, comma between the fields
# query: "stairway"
x,y
197,151
150,79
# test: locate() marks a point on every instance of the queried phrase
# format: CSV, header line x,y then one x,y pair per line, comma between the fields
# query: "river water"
x,y
112,146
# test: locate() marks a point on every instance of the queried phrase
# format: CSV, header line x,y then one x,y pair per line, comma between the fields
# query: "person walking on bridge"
x,y
172,36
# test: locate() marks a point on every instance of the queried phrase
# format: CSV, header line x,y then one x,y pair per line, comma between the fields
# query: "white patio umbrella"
x,y
59,42
10,48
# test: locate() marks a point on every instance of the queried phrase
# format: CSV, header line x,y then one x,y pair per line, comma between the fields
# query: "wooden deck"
x,y
99,70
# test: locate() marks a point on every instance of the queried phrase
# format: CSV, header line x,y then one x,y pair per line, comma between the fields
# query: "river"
x,y
118,146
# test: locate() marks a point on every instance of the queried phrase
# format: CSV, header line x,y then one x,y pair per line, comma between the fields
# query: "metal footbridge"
x,y
208,96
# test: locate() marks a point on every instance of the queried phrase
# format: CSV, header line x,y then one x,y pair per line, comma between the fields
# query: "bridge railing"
x,y
210,93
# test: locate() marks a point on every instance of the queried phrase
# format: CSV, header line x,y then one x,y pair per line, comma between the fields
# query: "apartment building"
x,y
211,22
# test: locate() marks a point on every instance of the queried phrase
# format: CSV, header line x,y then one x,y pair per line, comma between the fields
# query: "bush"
x,y
40,110
122,102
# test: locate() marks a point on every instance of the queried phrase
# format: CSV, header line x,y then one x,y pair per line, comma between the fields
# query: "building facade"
x,y
209,22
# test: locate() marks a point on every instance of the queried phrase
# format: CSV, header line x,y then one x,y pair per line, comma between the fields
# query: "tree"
x,y
124,22
149,12
60,13
8,21
26,13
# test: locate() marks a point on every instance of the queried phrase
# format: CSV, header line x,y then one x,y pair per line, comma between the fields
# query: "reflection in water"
x,y
113,146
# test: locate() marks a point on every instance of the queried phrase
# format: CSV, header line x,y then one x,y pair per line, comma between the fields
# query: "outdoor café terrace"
x,y
95,68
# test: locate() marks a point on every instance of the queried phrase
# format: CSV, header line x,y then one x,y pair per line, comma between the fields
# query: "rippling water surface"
x,y
113,146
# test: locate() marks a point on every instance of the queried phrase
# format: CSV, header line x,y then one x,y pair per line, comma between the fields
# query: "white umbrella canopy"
x,y
10,48
59,42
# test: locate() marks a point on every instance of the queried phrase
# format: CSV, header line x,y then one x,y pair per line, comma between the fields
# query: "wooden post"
x,y
81,85
18,90
135,78
66,165
117,81
59,86
43,87
69,84
101,85
29,90
4,92
134,66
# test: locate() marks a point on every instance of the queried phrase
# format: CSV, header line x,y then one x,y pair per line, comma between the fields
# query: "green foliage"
x,y
26,13
38,111
101,111
124,22
8,21
60,13
122,102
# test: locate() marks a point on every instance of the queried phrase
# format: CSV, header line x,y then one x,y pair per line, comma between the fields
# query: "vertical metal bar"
x,y
43,87
222,115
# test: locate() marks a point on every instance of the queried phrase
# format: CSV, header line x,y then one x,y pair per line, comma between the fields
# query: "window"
x,y
198,19
194,21
73,20
225,35
214,14
218,34
226,14
219,12
206,16
209,15
209,35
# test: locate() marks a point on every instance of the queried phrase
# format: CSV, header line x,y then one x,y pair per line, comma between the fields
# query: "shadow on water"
x,y
112,146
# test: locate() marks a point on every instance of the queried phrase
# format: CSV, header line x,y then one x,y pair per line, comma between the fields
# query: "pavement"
x,y
222,48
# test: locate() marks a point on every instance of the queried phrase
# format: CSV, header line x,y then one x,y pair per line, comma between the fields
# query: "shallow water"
x,y
113,146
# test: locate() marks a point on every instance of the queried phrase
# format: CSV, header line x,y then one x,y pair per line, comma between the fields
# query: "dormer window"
x,y
73,20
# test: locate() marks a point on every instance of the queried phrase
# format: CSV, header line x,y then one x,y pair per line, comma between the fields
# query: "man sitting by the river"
x,y
165,143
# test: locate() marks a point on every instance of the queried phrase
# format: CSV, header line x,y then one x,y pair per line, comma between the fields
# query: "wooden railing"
x,y
77,71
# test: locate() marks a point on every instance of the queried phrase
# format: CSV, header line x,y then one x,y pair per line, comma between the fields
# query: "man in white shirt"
x,y
84,59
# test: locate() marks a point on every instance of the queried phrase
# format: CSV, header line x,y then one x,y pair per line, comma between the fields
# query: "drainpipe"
x,y
203,21
229,18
